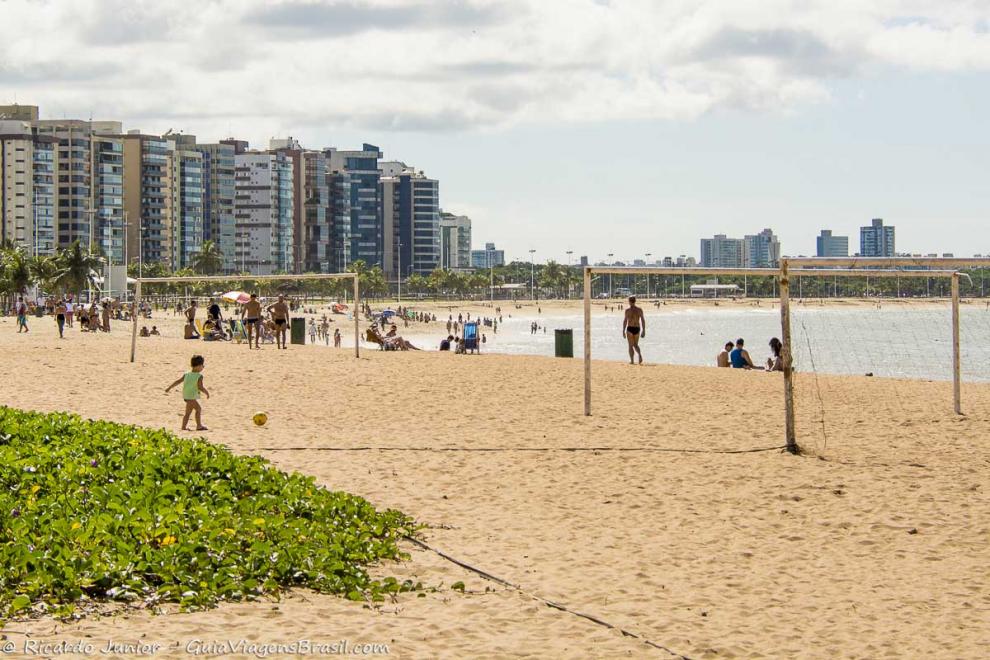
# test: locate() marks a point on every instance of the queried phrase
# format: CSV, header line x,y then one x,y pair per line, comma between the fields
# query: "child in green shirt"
x,y
192,385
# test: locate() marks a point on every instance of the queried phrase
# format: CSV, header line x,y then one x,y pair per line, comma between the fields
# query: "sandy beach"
x,y
876,543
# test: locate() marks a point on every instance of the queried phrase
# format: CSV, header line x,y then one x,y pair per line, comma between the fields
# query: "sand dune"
x,y
876,543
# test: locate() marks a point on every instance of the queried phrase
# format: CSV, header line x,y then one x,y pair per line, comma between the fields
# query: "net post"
x,y
587,341
357,310
956,356
134,318
786,358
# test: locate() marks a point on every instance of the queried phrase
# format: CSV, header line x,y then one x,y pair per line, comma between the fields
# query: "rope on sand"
x,y
509,449
548,603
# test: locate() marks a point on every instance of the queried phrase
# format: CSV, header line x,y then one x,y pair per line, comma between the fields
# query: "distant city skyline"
x,y
568,127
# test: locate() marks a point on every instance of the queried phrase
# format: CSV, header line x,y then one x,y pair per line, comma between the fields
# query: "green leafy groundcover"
x,y
93,510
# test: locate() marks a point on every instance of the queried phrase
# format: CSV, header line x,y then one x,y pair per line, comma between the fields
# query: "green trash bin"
x,y
297,334
563,343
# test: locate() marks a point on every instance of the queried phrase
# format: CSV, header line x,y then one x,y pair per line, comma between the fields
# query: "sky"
x,y
593,126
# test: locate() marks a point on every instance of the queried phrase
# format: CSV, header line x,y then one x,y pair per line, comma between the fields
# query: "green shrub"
x,y
93,510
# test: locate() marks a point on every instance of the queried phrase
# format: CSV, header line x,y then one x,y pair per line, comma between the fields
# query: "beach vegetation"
x,y
94,511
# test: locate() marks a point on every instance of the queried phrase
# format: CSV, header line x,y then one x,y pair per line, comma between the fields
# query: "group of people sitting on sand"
x,y
735,356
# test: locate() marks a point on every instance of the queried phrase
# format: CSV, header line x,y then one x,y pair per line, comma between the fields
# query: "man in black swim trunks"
x,y
634,327
251,315
280,314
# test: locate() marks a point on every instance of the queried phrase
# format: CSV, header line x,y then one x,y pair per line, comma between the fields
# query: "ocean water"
x,y
891,341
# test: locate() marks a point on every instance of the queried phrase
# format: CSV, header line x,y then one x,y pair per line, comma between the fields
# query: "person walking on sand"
x,y
336,337
280,314
22,309
60,317
106,317
192,385
634,327
251,316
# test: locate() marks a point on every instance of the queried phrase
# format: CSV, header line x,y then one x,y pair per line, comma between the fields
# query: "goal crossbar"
x,y
185,279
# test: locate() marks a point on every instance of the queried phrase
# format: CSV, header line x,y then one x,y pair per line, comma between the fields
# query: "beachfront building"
x,y
74,166
831,246
108,197
263,212
410,220
488,257
317,227
455,241
723,252
292,151
354,190
761,250
27,186
218,198
148,198
187,188
876,240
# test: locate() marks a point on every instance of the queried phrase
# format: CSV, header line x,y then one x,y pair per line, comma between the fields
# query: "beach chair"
x,y
239,332
471,336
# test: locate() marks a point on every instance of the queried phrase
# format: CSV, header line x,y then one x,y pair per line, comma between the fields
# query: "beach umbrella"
x,y
236,297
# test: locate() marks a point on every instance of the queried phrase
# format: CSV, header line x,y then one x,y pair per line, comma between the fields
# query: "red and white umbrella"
x,y
236,297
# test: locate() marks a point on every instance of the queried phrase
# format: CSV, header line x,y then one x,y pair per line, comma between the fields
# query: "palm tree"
x,y
16,270
44,270
552,276
75,269
209,259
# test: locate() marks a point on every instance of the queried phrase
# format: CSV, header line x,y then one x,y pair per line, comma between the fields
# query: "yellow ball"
x,y
260,419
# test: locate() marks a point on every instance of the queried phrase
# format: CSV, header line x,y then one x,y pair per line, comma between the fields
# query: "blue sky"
x,y
628,127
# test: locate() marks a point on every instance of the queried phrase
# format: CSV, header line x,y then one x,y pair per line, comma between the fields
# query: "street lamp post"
x,y
610,262
399,272
648,255
569,253
532,275
491,277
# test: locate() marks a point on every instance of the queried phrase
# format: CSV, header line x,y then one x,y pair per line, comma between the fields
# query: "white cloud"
x,y
432,66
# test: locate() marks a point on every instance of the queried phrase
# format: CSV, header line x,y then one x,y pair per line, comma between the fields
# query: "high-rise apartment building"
x,y
354,190
455,241
188,191
263,212
488,257
876,240
27,187
218,199
762,250
148,198
73,178
107,196
410,219
828,245
317,222
723,252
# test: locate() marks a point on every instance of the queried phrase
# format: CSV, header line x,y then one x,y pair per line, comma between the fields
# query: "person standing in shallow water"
x,y
634,327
